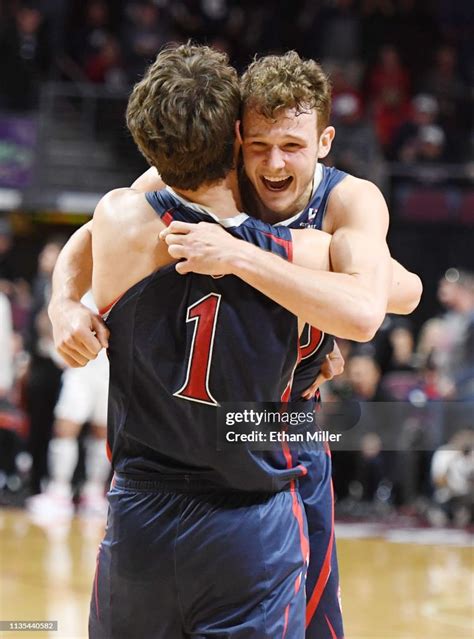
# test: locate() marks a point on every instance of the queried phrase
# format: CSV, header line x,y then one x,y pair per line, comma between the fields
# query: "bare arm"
x,y
349,303
405,291
79,333
208,249
352,301
72,276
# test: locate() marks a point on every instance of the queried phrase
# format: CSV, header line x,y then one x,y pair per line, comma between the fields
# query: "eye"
x,y
292,146
257,146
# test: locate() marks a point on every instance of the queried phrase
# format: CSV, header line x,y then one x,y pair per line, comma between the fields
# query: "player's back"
x,y
182,347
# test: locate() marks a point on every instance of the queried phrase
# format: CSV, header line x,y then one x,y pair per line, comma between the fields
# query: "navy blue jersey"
x,y
312,216
315,344
180,346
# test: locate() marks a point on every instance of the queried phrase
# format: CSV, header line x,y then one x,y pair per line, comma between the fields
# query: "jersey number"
x,y
204,315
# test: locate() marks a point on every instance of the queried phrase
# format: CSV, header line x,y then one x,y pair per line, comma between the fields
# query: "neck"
x,y
254,206
221,197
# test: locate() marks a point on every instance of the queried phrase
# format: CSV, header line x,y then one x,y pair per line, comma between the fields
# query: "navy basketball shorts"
x,y
323,609
178,564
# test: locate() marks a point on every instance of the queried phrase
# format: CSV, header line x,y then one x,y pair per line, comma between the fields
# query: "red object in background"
x,y
389,93
466,209
14,419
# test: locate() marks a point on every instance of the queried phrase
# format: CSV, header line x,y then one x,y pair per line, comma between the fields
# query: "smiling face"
x,y
280,157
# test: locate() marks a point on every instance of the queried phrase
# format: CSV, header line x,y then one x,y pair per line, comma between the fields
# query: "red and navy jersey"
x,y
312,216
183,346
315,344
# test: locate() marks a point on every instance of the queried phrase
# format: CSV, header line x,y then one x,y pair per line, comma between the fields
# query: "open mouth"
x,y
276,184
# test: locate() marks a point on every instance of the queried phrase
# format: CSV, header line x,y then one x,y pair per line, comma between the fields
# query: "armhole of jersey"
x,y
104,312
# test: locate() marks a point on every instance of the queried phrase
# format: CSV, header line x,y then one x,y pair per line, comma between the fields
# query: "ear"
x,y
238,131
325,141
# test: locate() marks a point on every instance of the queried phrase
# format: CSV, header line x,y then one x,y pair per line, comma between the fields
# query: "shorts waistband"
x,y
172,483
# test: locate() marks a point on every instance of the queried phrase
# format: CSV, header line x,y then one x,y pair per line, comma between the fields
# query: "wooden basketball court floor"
x,y
401,586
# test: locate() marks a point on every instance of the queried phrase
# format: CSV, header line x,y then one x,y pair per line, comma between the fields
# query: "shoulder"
x,y
355,202
122,203
352,187
126,212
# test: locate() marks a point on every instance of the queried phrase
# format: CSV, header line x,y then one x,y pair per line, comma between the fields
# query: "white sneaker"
x,y
94,506
50,506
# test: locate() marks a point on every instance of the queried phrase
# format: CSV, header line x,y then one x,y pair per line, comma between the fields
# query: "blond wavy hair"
x,y
287,82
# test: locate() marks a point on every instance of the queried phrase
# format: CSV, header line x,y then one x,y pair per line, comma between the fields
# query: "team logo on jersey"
x,y
311,218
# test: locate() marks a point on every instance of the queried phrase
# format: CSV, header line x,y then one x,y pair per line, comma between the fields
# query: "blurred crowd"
x,y
401,72
415,447
426,468
400,69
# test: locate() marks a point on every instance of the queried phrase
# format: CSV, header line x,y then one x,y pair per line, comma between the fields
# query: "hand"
x,y
205,248
79,333
333,366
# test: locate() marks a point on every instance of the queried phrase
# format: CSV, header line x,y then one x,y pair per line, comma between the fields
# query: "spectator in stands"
x,y
452,474
146,32
423,112
355,149
106,65
362,385
88,39
364,376
371,471
377,27
44,374
445,82
203,19
388,86
24,59
454,352
430,145
455,24
402,341
341,33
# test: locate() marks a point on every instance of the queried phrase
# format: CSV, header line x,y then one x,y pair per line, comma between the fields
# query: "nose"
x,y
275,159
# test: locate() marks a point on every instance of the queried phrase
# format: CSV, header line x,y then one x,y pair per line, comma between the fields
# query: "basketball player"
x,y
320,188
200,542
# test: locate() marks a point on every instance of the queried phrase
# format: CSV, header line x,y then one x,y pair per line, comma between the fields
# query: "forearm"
x,y
72,276
337,303
405,291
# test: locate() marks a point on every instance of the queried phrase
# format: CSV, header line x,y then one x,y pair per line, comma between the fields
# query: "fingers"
x,y
82,344
183,268
327,369
181,228
101,331
175,238
86,343
332,366
337,360
310,392
177,251
69,360
73,357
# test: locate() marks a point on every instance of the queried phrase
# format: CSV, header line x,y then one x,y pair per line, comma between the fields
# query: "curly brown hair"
x,y
182,115
287,82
